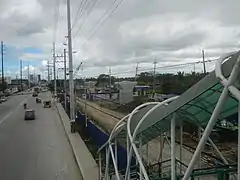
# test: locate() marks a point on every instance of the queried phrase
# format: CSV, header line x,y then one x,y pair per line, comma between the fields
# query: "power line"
x,y
56,19
104,21
83,22
182,65
100,19
80,8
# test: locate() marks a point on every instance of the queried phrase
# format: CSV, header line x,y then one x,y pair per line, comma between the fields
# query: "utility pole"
x,y
21,75
136,74
110,81
71,83
34,76
154,76
28,77
54,71
204,65
65,78
3,83
48,71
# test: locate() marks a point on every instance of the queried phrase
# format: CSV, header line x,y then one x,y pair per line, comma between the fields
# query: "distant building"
x,y
90,84
38,78
31,78
126,91
6,80
18,81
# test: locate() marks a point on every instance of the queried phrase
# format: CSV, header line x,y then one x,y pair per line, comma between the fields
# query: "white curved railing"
x,y
228,85
131,146
131,137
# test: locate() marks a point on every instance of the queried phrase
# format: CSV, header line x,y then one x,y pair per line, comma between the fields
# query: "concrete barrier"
x,y
85,161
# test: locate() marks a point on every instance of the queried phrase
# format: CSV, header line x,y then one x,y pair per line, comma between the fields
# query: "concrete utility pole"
x,y
21,75
110,81
65,78
3,83
136,74
154,76
204,64
54,71
28,77
48,71
34,77
71,83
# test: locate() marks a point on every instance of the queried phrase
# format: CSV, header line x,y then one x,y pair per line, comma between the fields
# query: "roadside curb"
x,y
84,159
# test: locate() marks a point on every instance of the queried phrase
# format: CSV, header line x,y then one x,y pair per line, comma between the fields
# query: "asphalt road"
x,y
34,150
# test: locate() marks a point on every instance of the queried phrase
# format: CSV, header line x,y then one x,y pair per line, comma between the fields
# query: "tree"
x,y
103,80
170,83
4,85
145,78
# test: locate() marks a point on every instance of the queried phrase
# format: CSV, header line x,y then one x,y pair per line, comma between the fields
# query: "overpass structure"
x,y
44,148
206,104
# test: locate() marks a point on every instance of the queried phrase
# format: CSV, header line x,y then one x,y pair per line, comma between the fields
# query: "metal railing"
x,y
228,85
134,141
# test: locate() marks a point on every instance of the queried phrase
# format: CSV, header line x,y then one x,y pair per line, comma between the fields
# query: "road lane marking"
x,y
11,112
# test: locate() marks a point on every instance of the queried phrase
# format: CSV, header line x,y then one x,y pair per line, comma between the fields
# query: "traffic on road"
x,y
36,148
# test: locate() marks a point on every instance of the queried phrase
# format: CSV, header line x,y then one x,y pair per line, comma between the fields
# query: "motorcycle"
x,y
25,106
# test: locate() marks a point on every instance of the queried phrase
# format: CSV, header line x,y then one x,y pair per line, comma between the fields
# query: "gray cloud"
x,y
30,28
138,31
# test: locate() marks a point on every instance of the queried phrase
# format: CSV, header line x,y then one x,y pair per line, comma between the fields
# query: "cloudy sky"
x,y
170,32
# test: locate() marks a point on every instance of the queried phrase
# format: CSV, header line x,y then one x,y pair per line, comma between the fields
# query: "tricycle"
x,y
38,100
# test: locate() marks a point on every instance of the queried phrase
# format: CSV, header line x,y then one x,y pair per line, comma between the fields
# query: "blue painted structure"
x,y
99,138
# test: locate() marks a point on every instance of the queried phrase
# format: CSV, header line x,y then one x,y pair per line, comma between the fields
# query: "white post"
x,y
29,77
141,154
100,165
71,84
54,71
213,119
238,141
181,145
199,138
207,132
65,79
216,149
106,175
115,152
128,149
173,152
